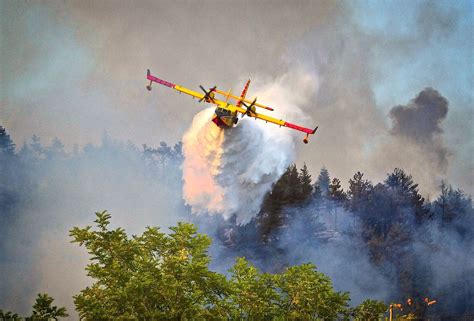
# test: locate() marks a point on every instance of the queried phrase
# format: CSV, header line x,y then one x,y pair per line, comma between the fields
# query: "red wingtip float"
x,y
226,114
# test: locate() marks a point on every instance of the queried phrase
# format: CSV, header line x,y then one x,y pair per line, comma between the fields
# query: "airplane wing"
x,y
280,122
207,97
239,99
182,89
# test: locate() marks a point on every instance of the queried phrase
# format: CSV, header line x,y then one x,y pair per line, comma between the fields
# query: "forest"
x,y
310,237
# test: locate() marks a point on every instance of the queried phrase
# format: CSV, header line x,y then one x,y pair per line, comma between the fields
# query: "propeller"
x,y
249,108
207,96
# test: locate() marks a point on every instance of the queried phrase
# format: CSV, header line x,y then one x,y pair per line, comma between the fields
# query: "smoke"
x,y
53,194
336,250
420,120
415,141
229,171
73,69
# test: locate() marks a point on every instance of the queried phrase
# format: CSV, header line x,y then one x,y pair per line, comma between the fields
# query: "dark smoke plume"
x,y
420,122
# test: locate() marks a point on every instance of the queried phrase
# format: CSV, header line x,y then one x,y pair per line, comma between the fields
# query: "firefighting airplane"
x,y
226,114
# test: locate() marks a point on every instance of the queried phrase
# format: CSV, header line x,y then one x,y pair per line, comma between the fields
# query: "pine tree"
x,y
454,209
359,193
323,181
270,217
336,193
7,146
336,196
36,147
293,189
56,150
317,195
305,181
407,194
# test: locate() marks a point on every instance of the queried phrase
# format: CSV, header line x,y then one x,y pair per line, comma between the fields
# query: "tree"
x,y
56,149
151,276
36,147
286,191
8,316
454,210
166,276
336,193
452,204
253,295
323,181
369,310
166,153
406,194
307,294
44,310
7,146
359,193
305,181
178,152
317,194
292,190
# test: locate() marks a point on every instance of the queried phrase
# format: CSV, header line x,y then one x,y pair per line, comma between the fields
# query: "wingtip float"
x,y
226,114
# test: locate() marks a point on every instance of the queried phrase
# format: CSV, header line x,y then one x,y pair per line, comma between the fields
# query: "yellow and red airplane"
x,y
226,114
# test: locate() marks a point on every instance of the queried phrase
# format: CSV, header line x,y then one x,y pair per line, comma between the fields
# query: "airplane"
x,y
226,114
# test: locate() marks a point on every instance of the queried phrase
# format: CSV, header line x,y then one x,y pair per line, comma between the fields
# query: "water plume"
x,y
229,171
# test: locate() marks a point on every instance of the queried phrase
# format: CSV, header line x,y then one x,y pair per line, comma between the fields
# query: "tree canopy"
x,y
166,276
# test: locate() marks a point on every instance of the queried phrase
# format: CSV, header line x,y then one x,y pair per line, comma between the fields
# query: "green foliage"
x,y
369,310
359,193
153,275
43,310
166,276
253,295
307,294
305,180
8,316
291,189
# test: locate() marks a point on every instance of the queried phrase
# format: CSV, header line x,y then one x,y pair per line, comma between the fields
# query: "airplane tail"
x,y
243,94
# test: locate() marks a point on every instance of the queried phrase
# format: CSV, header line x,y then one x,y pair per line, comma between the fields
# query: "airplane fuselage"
x,y
225,117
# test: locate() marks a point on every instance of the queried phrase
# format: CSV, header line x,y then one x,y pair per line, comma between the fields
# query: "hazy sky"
x,y
360,70
74,69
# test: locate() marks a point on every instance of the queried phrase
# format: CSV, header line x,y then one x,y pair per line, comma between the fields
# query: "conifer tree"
x,y
323,181
336,193
293,189
36,147
7,146
305,181
359,193
270,217
316,195
406,194
57,148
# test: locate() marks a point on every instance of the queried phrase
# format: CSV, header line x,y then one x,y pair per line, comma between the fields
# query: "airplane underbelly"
x,y
223,122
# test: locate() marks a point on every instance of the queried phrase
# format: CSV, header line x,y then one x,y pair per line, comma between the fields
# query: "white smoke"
x,y
229,171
